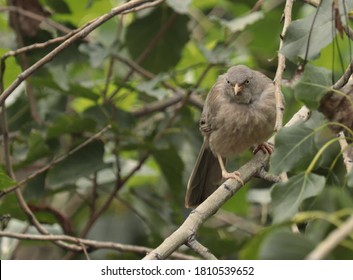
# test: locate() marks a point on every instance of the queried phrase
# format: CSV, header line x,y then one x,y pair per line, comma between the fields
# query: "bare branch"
x,y
55,161
332,240
281,66
345,77
36,17
211,205
200,249
88,28
90,244
348,162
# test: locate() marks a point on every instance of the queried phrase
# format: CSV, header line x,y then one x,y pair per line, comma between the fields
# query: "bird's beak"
x,y
237,88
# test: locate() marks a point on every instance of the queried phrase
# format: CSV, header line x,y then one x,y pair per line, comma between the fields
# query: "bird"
x,y
239,113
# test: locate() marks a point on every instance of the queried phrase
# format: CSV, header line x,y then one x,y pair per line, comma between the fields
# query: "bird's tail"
x,y
205,177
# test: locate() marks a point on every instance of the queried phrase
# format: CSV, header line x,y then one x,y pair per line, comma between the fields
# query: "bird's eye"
x,y
247,82
228,82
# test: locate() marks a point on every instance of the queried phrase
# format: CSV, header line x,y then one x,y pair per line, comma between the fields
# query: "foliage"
x,y
128,184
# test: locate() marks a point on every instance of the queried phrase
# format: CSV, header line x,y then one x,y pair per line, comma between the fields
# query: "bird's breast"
x,y
237,127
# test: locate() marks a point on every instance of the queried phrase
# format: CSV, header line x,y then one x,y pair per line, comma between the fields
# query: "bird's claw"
x,y
265,147
232,175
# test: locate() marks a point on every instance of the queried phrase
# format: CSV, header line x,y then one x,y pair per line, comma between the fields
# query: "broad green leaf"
x,y
80,91
180,7
81,163
251,250
9,205
171,166
11,72
70,124
150,87
168,44
313,85
37,148
60,76
35,188
331,203
59,6
309,35
5,180
240,23
288,196
283,245
331,161
219,55
96,52
295,148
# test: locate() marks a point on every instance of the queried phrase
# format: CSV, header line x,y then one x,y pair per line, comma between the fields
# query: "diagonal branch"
x,y
332,240
214,202
200,249
88,28
55,161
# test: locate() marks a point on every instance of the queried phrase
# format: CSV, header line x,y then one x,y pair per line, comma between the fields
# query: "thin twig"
x,y
91,244
88,28
210,206
24,63
23,204
332,240
38,45
345,77
36,17
144,6
162,104
281,66
55,161
200,249
348,162
149,48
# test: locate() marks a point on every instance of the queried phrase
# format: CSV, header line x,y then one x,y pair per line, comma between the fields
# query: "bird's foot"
x,y
232,175
265,147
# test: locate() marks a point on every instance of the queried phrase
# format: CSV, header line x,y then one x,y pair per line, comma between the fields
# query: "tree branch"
x,y
89,244
212,204
200,249
281,66
83,32
332,240
55,161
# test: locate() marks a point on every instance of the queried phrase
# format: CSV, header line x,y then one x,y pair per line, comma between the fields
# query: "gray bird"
x,y
239,112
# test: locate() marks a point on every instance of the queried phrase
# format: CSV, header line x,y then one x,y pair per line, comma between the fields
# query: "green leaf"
x,y
181,7
240,23
332,201
150,87
282,245
171,166
37,148
295,148
219,55
82,163
80,91
167,47
288,196
5,181
59,6
70,124
309,35
252,249
96,52
313,85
